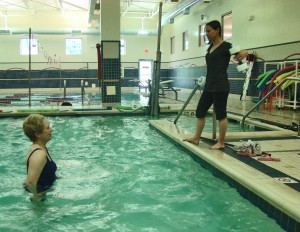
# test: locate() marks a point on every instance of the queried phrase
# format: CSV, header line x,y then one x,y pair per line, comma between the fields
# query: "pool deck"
x,y
277,183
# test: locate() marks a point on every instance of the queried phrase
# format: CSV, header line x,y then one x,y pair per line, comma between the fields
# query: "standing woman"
x,y
216,89
40,167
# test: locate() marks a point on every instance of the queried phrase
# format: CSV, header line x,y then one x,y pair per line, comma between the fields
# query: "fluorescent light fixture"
x,y
143,32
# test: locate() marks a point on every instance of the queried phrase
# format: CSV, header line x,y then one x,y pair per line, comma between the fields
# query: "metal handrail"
x,y
186,102
82,92
65,88
272,91
214,128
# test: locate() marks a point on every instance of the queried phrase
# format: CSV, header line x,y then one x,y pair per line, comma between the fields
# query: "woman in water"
x,y
40,166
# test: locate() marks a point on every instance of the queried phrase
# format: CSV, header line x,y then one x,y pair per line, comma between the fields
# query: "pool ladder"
x,y
83,95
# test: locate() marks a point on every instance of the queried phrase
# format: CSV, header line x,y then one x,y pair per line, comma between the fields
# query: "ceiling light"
x,y
142,31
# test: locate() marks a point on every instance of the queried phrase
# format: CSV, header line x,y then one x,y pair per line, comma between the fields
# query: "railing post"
x,y
65,88
299,126
29,69
82,92
214,133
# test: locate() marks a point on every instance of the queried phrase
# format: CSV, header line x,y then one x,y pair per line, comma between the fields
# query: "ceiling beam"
x,y
26,3
59,3
179,9
11,4
45,4
126,6
76,6
92,10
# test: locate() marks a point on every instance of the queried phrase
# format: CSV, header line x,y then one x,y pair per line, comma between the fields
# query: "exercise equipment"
x,y
132,108
243,66
275,78
244,93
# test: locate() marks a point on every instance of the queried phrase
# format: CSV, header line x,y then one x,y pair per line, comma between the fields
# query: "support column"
x,y
110,52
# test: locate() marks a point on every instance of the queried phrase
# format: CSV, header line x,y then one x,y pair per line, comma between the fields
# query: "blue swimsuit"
x,y
47,176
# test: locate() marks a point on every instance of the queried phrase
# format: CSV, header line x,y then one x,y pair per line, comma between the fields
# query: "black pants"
x,y
219,99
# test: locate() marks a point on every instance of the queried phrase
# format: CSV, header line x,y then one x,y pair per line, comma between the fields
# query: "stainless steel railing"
x,y
265,97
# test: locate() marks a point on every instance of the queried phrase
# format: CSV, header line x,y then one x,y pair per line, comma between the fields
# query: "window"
x,y
123,47
227,25
172,45
24,47
185,41
202,38
73,47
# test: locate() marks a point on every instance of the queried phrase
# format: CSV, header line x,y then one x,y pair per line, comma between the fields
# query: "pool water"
x,y
118,174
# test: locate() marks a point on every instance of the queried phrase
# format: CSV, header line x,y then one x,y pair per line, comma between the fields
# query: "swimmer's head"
x,y
32,125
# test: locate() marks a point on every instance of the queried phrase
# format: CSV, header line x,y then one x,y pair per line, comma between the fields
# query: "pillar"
x,y
110,52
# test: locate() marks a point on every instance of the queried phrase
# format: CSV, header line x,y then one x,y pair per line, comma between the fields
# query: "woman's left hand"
x,y
241,55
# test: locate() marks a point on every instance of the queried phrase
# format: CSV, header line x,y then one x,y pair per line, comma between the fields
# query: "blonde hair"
x,y
33,124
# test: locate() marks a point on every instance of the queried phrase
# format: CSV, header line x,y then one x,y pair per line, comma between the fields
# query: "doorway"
x,y
145,72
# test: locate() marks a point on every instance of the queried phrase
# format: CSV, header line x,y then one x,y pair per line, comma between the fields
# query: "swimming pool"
x,y
118,174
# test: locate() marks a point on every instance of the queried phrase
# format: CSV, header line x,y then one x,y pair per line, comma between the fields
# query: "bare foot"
x,y
192,140
217,146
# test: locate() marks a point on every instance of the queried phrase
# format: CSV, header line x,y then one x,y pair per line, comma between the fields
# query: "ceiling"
x,y
128,7
131,10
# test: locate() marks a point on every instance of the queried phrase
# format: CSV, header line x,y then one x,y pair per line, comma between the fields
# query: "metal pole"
x,y
60,78
258,103
65,89
29,68
186,102
82,92
155,87
214,134
299,126
152,90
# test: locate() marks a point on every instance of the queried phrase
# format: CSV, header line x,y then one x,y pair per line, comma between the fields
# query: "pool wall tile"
x,y
110,71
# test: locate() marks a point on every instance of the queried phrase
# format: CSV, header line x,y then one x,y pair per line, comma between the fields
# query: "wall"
x,y
273,35
275,23
55,44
